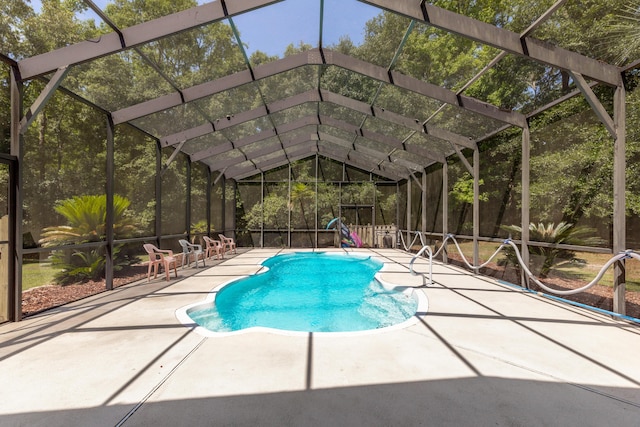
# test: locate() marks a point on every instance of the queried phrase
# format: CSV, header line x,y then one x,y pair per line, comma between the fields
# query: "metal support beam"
x,y
158,193
17,150
135,35
408,239
525,201
208,197
619,202
109,189
595,103
313,57
187,204
173,156
43,98
423,187
261,209
445,208
446,135
419,159
464,160
502,39
476,206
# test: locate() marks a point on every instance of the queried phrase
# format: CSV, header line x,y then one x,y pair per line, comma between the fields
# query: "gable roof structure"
x,y
266,128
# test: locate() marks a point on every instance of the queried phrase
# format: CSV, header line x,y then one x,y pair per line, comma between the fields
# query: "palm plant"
x,y
545,258
86,222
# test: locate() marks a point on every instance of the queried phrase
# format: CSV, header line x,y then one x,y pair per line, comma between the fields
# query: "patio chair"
x,y
160,257
213,247
189,249
227,242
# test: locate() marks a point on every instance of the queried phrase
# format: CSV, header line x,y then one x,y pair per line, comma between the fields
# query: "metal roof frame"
x,y
575,64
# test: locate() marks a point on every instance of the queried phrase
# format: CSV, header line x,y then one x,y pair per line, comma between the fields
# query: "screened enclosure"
x,y
126,123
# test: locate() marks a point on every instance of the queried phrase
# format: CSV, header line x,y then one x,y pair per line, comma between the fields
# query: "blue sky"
x,y
272,28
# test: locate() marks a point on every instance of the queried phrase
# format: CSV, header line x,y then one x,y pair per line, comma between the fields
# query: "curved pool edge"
x,y
182,313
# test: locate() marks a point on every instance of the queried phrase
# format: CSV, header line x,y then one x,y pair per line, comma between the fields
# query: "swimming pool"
x,y
306,292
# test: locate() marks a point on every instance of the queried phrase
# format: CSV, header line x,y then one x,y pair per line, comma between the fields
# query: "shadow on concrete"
x,y
477,401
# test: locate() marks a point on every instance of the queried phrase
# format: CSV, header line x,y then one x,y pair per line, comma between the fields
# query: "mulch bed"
x,y
38,299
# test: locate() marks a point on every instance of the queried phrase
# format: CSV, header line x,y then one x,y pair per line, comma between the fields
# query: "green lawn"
x,y
36,274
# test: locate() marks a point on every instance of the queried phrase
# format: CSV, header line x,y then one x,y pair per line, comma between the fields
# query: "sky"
x,y
270,29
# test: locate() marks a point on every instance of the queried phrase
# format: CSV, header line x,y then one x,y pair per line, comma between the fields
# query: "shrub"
x,y
86,222
543,259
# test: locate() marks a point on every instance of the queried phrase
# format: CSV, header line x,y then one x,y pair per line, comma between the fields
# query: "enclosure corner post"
x,y
619,203
476,206
17,150
525,202
109,264
158,212
409,206
423,226
445,208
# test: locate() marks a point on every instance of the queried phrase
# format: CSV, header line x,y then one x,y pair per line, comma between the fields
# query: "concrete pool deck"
x,y
484,354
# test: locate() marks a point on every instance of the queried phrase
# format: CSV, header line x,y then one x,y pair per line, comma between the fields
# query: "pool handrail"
x,y
426,248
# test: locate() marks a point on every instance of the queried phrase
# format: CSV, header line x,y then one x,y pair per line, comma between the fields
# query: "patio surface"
x,y
485,354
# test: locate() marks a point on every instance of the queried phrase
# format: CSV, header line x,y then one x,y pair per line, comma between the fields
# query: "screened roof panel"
x,y
382,45
130,80
332,150
348,83
601,31
270,144
532,85
381,149
129,13
196,56
511,15
294,113
170,121
381,81
226,159
275,153
338,133
443,58
421,143
290,22
301,150
303,131
344,114
340,25
410,159
209,141
230,102
465,122
384,127
247,128
406,102
289,83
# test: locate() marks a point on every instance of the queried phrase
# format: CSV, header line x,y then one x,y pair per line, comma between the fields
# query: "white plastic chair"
x,y
189,249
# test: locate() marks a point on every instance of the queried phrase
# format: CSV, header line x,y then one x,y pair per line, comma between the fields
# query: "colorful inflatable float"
x,y
348,239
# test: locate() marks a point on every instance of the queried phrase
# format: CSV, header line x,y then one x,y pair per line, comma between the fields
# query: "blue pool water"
x,y
312,292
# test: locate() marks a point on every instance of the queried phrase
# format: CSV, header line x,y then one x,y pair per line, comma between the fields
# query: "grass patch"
x,y
37,273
